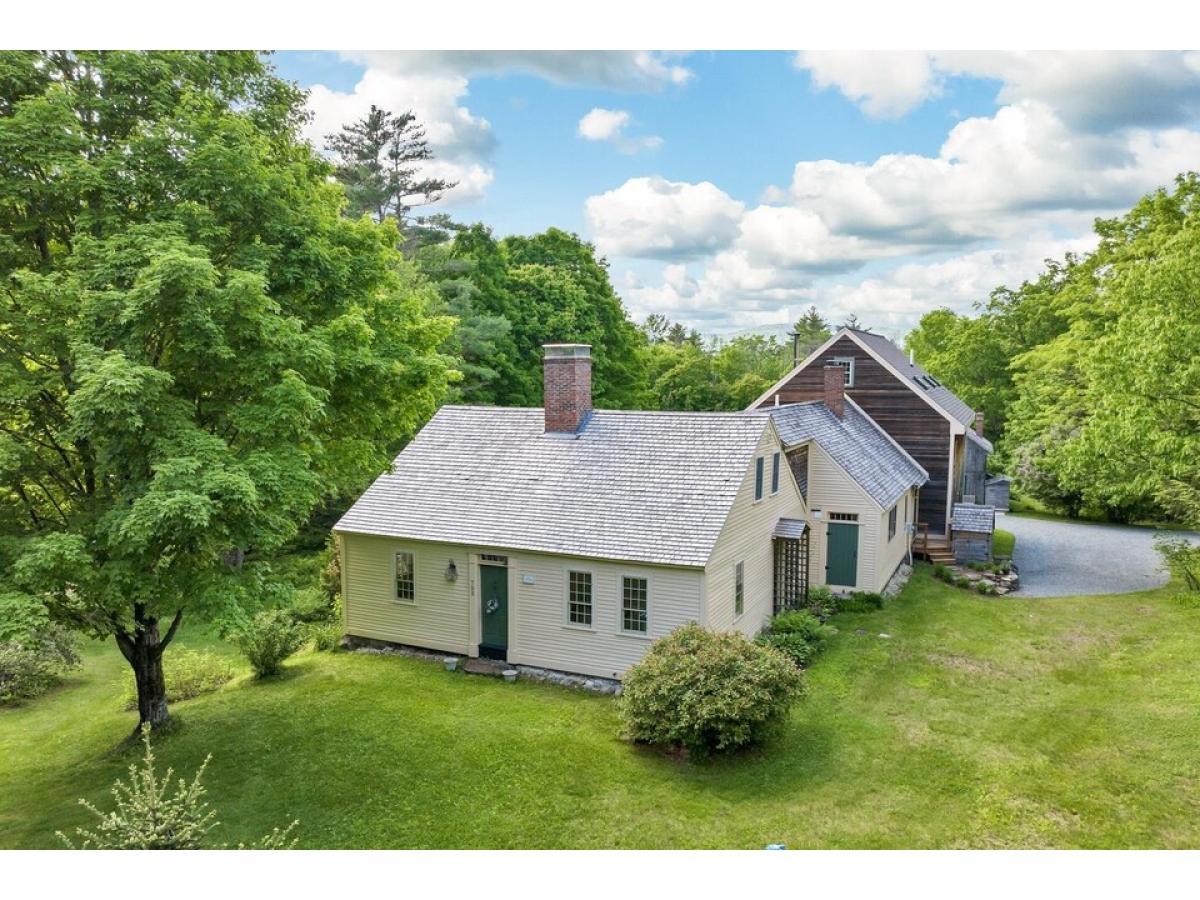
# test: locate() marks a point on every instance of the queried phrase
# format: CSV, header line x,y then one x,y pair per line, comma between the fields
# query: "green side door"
x,y
841,555
493,594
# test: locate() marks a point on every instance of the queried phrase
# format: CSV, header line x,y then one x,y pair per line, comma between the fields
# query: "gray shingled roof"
x,y
980,440
934,390
648,487
974,517
856,443
790,528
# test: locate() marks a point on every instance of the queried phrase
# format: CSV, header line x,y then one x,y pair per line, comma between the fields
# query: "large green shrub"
x,y
189,673
268,639
32,664
706,692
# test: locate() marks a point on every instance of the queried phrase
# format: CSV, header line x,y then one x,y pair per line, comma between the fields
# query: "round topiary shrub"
x,y
706,692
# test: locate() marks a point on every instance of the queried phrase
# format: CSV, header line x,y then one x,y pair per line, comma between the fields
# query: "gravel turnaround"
x,y
1059,559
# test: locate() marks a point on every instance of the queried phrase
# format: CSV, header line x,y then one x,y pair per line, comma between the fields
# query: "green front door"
x,y
841,555
493,594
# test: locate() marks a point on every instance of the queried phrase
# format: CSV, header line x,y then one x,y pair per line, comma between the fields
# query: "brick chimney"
x,y
979,424
567,378
835,389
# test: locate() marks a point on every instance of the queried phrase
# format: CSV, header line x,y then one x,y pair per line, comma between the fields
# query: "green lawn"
x,y
978,723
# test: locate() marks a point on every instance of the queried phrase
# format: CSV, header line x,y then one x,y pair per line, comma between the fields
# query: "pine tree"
x,y
378,161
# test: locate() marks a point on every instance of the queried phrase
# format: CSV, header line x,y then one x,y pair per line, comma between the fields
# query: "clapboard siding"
x,y
895,551
912,423
747,538
440,617
542,636
831,490
445,616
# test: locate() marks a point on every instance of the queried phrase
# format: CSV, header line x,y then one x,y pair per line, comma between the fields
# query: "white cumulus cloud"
x,y
885,83
657,218
603,124
609,125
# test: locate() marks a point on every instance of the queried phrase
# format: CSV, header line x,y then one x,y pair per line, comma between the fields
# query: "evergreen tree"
x,y
379,159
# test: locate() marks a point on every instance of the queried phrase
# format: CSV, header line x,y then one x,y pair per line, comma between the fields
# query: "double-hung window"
x,y
847,364
892,523
579,598
635,605
775,473
739,590
758,478
406,580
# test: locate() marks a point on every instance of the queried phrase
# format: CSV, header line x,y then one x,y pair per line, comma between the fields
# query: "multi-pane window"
x,y
775,473
758,478
847,364
892,523
406,582
843,517
634,605
579,598
739,590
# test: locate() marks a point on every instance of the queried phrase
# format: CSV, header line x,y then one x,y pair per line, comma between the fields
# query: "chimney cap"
x,y
577,350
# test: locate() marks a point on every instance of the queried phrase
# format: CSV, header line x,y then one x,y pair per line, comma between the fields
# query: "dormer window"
x,y
847,363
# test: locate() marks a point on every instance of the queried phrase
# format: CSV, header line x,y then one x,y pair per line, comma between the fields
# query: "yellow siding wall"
x,y
746,537
830,489
445,616
440,618
542,637
893,552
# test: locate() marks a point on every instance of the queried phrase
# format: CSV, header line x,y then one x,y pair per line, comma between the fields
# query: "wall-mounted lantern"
x,y
452,572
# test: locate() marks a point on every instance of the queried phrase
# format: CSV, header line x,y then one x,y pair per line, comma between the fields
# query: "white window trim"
x,y
641,635
567,623
395,595
738,615
849,367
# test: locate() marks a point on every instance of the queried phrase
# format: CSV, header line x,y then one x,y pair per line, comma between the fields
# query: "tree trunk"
x,y
144,649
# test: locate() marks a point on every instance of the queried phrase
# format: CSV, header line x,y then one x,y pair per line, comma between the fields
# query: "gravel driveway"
x,y
1057,559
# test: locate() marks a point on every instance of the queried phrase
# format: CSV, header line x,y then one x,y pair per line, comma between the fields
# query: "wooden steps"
x,y
936,550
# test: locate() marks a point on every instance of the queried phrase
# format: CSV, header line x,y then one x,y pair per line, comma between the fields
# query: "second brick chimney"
x,y
567,379
835,390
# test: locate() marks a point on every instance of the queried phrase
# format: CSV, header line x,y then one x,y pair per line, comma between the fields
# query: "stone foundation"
x,y
897,582
533,673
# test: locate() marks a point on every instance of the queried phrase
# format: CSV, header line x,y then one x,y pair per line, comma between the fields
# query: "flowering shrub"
x,y
149,815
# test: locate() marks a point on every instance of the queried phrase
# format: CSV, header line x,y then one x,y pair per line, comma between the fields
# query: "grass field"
x,y
976,723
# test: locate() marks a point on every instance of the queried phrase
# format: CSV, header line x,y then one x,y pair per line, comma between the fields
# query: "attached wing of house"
x,y
935,427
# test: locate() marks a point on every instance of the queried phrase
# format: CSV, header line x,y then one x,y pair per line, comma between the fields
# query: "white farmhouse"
x,y
569,538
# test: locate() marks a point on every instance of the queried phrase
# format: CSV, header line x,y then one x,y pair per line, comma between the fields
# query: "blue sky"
x,y
731,190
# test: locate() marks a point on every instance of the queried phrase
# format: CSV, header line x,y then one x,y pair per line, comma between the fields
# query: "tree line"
x,y
1089,374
